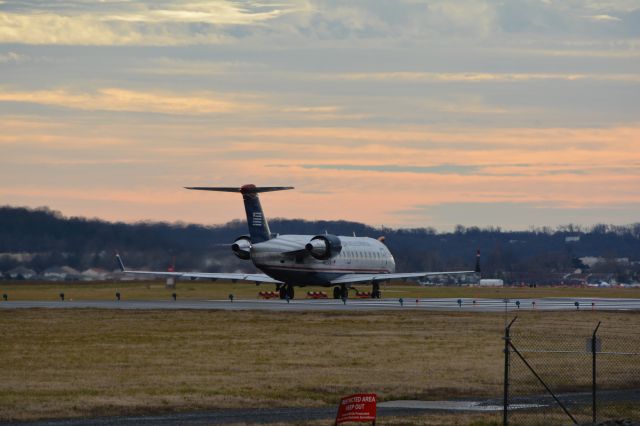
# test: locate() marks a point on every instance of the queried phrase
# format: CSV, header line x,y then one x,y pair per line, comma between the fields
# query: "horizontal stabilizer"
x,y
256,220
245,189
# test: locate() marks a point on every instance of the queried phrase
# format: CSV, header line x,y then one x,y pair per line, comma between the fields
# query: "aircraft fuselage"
x,y
359,255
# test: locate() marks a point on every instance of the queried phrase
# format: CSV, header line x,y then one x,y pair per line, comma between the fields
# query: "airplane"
x,y
300,260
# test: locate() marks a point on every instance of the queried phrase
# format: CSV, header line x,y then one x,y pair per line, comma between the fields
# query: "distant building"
x,y
22,273
61,273
590,261
491,283
95,274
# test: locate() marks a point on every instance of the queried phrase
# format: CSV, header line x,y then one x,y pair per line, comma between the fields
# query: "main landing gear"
x,y
375,294
286,292
341,292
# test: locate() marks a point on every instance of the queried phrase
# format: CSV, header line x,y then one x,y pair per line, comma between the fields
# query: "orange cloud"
x,y
477,77
564,167
115,99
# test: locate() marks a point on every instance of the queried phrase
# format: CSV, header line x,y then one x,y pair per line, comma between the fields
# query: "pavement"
x,y
367,305
299,415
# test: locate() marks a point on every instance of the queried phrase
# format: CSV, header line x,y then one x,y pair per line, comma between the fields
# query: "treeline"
x,y
50,239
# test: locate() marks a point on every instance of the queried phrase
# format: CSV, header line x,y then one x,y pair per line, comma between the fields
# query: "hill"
x,y
41,238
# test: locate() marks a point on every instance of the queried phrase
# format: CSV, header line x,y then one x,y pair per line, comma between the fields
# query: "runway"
x,y
350,305
297,415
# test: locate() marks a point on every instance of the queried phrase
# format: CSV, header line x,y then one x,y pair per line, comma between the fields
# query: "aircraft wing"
x,y
371,278
254,278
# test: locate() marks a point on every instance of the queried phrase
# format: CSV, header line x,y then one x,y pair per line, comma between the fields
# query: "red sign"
x,y
360,407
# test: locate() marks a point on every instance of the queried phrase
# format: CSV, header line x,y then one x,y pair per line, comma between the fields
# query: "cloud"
x,y
520,215
547,168
61,164
502,169
12,57
480,77
171,22
602,18
442,169
130,23
115,99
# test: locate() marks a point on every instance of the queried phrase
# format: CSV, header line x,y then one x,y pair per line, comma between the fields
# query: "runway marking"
x,y
454,405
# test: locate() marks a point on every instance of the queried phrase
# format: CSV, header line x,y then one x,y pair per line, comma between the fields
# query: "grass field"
x,y
219,290
61,363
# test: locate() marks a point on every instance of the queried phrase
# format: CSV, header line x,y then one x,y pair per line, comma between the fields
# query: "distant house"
x,y
61,273
95,274
21,273
590,261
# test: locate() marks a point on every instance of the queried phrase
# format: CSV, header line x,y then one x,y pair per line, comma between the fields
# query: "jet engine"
x,y
323,247
241,247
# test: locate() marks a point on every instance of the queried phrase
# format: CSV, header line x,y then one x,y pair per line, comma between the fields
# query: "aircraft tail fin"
x,y
257,222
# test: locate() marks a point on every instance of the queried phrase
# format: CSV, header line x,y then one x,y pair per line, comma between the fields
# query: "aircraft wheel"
x,y
283,293
375,293
290,292
336,292
345,292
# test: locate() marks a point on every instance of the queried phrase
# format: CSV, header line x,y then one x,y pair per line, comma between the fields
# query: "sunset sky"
x,y
512,113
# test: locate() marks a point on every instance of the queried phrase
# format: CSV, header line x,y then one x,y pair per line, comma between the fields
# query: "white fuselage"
x,y
277,258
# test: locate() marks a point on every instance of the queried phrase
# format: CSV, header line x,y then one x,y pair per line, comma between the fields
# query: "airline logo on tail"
x,y
257,219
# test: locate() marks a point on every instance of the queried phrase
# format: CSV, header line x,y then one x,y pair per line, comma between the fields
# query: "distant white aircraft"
x,y
300,260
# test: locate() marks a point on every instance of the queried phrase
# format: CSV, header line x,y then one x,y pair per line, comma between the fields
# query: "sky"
x,y
404,113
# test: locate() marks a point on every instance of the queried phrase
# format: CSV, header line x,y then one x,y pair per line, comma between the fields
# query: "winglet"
x,y
120,263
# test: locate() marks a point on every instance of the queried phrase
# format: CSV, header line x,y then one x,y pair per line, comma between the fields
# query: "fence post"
x,y
507,342
593,372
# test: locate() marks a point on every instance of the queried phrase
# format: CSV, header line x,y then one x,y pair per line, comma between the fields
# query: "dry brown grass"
x,y
60,363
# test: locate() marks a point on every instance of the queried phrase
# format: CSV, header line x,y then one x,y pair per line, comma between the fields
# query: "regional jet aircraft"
x,y
300,260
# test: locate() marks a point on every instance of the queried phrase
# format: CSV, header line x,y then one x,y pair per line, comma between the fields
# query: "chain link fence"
x,y
567,376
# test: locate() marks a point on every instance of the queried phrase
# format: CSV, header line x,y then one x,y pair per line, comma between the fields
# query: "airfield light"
x,y
401,301
5,297
175,296
118,296
460,303
62,297
533,303
593,306
518,304
231,297
577,305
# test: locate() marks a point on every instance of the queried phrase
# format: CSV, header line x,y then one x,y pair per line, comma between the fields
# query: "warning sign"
x,y
360,407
